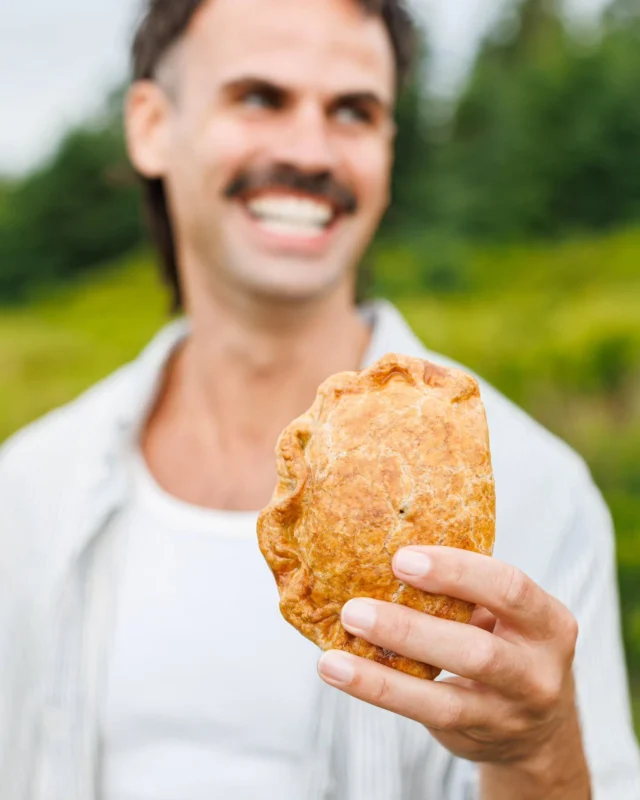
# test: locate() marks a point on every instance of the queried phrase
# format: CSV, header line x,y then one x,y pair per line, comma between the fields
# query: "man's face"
x,y
278,142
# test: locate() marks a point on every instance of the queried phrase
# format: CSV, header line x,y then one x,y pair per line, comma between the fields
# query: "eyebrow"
x,y
238,86
245,84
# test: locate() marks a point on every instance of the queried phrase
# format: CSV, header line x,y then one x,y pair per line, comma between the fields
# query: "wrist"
x,y
557,770
535,781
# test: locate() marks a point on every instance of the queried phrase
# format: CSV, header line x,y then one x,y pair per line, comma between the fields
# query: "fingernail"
x,y
336,667
413,563
359,615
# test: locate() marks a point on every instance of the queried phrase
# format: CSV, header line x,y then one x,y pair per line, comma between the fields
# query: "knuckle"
x,y
486,658
517,725
381,692
517,589
546,692
570,629
517,733
456,572
402,628
450,716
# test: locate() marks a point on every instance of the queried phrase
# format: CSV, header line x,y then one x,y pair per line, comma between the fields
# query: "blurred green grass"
x,y
555,327
59,345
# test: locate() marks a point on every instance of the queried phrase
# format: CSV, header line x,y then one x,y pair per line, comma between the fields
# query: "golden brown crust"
x,y
395,455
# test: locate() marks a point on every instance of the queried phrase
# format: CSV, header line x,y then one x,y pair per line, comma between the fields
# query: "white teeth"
x,y
294,212
293,230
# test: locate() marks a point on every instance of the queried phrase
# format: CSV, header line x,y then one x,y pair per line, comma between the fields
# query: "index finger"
x,y
504,590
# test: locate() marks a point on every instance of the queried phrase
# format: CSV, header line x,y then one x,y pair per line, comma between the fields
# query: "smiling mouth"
x,y
292,216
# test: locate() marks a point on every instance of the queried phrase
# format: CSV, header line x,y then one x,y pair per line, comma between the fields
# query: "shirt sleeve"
x,y
18,637
583,577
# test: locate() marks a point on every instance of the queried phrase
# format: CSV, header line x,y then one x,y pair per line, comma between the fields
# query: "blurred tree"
x,y
77,211
424,257
546,137
413,158
5,192
624,12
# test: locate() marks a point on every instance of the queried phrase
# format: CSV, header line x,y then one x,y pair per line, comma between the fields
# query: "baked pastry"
x,y
395,455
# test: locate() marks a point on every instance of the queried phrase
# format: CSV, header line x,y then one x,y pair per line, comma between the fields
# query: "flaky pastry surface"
x,y
395,455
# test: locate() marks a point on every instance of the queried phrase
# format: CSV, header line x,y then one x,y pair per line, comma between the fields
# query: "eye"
x,y
353,115
261,100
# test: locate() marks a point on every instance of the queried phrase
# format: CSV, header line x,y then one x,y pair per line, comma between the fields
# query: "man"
x,y
143,654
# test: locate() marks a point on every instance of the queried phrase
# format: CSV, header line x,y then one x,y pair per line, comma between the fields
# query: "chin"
x,y
294,292
302,283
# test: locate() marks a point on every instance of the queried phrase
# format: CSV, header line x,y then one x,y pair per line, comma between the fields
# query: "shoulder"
x,y
48,444
54,472
86,428
50,473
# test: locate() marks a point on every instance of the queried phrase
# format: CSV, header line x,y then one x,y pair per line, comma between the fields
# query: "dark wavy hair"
x,y
162,25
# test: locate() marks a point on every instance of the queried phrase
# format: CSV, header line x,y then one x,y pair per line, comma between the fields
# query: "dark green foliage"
x,y
73,214
546,138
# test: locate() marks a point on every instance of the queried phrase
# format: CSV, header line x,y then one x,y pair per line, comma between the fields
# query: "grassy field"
x,y
55,348
556,328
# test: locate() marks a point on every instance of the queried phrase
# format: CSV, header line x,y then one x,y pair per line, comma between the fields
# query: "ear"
x,y
146,116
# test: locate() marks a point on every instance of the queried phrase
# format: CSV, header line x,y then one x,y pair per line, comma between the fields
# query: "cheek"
x,y
225,149
371,171
211,157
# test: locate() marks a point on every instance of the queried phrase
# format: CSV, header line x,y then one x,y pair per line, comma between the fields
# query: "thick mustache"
x,y
321,185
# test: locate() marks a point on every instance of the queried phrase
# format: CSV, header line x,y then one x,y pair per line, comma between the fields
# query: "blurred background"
x,y
513,245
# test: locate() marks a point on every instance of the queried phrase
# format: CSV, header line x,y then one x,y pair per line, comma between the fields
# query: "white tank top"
x,y
210,693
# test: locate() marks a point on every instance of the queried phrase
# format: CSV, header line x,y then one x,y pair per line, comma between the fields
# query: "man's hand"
x,y
512,708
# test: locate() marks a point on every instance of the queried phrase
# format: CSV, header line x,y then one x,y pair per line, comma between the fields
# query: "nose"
x,y
304,141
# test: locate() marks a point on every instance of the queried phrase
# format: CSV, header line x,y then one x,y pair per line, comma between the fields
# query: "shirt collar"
x,y
147,376
391,333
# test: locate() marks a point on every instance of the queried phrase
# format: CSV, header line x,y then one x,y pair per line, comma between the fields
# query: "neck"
x,y
241,360
244,374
